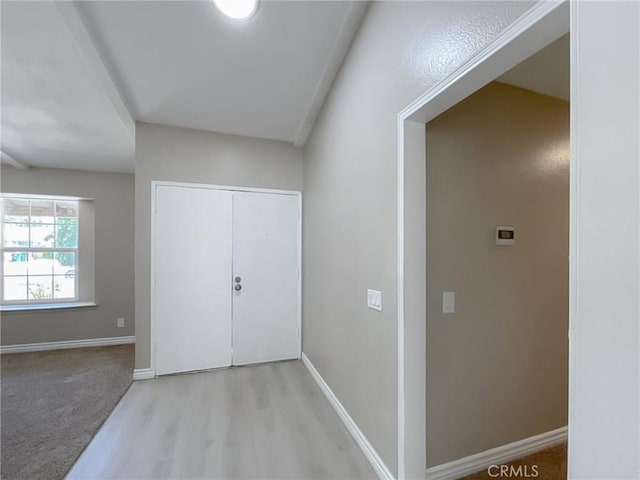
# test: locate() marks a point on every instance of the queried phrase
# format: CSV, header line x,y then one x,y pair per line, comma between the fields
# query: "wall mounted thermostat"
x,y
505,236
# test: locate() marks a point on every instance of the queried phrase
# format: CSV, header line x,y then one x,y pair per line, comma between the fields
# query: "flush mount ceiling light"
x,y
237,9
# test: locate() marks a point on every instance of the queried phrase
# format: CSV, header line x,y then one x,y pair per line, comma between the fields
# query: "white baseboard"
x,y
144,373
369,452
88,342
497,456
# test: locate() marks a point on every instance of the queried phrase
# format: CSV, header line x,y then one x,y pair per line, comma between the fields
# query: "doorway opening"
x,y
543,24
497,176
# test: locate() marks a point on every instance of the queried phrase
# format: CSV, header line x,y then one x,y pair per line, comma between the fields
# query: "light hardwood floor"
x,y
258,422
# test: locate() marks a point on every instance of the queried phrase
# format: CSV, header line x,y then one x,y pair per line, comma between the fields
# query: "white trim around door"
x,y
150,372
536,28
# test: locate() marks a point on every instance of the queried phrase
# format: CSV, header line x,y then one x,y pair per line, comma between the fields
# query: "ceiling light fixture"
x,y
237,9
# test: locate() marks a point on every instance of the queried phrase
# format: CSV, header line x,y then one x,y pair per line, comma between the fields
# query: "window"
x,y
39,250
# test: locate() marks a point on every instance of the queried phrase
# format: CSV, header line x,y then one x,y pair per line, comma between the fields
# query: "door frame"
x,y
163,183
536,28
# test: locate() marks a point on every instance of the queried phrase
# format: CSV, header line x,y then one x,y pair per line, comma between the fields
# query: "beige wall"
x,y
349,218
184,155
497,367
113,194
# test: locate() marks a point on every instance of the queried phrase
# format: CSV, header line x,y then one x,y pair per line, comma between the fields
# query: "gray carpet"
x,y
53,403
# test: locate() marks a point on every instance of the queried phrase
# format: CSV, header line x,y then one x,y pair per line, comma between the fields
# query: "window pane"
x,y
16,210
40,263
66,209
64,264
15,263
64,286
67,232
40,288
32,226
15,288
15,235
42,236
42,211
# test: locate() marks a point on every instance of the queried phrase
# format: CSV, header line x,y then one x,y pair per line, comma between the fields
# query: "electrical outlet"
x,y
120,323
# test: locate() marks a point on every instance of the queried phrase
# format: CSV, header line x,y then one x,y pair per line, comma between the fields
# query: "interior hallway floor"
x,y
260,421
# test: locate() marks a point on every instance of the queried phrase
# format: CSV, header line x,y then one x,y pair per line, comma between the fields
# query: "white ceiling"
x,y
75,74
55,113
184,64
546,72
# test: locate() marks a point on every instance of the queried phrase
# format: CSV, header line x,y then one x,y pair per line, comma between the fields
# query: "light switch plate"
x,y
448,302
374,299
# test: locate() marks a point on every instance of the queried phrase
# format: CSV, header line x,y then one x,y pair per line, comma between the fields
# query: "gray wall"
x,y
349,220
113,194
500,157
184,155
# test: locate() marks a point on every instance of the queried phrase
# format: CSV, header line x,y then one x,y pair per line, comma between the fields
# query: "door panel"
x,y
192,261
265,257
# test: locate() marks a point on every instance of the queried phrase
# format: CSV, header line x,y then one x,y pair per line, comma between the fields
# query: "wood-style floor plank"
x,y
266,421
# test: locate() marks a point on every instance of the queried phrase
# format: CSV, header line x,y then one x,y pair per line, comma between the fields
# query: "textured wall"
x,y
349,221
497,367
604,393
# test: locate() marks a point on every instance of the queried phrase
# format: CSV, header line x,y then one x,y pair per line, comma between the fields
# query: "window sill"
x,y
46,307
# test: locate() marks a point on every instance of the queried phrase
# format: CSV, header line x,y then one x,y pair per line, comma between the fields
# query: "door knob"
x,y
238,287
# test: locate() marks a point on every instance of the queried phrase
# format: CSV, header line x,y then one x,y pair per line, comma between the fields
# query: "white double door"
x,y
226,278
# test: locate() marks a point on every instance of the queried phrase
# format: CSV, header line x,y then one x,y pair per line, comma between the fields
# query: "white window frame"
x,y
53,302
